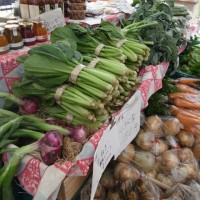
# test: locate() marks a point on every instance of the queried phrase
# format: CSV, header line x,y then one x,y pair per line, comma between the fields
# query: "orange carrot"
x,y
186,89
175,95
187,120
184,103
189,81
193,129
175,111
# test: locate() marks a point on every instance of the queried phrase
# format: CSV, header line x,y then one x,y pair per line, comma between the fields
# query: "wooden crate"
x,y
70,186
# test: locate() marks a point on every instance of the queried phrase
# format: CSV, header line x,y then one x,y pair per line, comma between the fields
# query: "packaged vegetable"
x,y
108,180
186,139
159,147
171,125
125,172
145,139
145,160
127,155
154,124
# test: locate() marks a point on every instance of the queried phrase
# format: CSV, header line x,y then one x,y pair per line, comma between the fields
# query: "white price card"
x,y
105,151
52,19
124,6
128,123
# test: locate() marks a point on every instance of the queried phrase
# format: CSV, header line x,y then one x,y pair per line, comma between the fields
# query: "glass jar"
x,y
23,4
40,31
13,36
50,5
36,7
61,5
77,14
12,21
4,46
56,4
27,33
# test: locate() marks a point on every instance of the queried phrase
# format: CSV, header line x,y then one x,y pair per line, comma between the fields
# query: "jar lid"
x,y
35,22
11,26
26,24
2,24
20,20
40,22
12,22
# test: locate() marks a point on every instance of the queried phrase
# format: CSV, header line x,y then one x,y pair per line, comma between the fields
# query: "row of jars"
x,y
32,8
15,36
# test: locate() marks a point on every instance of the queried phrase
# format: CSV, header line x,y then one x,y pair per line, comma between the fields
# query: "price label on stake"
x,y
53,19
128,124
104,152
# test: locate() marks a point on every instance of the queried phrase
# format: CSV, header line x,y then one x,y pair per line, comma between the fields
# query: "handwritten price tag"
x,y
53,19
118,135
124,6
128,125
104,152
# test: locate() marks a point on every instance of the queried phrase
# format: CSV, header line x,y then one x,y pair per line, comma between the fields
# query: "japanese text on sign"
x,y
117,136
128,125
104,152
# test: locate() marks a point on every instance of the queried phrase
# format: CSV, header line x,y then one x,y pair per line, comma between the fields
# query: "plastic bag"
x,y
145,139
147,189
145,160
160,146
181,191
155,125
171,125
100,193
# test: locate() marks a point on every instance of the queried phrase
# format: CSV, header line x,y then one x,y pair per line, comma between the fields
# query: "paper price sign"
x,y
124,6
128,125
53,19
104,152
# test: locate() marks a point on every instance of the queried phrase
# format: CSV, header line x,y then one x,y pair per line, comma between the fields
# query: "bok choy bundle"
x,y
86,42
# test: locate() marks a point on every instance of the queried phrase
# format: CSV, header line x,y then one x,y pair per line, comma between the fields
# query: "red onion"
x,y
29,105
79,134
50,147
54,121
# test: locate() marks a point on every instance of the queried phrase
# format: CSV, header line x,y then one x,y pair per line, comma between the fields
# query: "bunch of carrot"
x,y
186,104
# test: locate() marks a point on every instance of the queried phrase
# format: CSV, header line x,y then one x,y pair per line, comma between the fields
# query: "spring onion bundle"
x,y
111,35
86,43
40,66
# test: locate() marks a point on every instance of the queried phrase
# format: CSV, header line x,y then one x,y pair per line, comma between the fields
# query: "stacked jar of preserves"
x,y
4,46
77,9
15,35
27,33
40,31
33,8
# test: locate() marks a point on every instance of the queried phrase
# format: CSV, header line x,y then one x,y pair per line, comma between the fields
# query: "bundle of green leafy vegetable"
x,y
105,86
158,102
86,43
165,35
135,51
190,59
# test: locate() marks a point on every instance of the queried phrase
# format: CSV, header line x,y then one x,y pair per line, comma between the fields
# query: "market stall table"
x,y
33,174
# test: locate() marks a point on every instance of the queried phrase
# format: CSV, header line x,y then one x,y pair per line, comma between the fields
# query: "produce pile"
x,y
74,85
161,162
178,97
190,60
167,34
